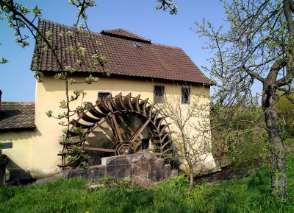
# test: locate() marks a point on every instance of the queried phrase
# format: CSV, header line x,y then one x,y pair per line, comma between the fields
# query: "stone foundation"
x,y
142,168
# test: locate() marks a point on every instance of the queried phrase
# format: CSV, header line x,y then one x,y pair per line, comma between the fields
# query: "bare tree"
x,y
257,46
190,125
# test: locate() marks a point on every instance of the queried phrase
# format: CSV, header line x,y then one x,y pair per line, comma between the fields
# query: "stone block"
x,y
95,172
118,167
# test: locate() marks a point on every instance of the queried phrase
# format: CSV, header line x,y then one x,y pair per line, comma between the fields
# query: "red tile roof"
x,y
127,55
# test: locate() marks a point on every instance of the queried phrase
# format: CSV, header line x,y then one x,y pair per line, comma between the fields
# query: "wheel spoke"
x,y
115,127
139,131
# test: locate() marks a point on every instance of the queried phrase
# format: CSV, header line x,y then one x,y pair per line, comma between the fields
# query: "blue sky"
x,y
138,16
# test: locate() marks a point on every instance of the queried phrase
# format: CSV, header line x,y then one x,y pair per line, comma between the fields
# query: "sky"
x,y
138,16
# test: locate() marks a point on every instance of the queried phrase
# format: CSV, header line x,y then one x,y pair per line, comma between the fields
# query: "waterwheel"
x,y
116,126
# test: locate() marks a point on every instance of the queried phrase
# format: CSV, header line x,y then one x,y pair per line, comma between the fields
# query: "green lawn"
x,y
250,194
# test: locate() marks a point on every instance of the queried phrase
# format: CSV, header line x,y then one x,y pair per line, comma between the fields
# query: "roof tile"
x,y
127,54
17,116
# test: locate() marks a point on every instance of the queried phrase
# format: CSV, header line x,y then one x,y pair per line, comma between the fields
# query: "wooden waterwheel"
x,y
116,126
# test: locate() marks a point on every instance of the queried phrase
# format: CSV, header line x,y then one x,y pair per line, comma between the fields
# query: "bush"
x,y
239,135
286,114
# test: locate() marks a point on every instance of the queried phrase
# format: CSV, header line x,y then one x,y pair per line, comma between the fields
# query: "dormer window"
x,y
137,44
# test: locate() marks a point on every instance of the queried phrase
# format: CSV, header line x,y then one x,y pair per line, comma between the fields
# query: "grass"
x,y
250,194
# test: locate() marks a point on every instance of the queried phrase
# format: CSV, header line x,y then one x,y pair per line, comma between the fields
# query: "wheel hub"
x,y
123,149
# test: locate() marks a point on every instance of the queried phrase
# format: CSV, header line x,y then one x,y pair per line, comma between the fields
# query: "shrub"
x,y
239,136
286,115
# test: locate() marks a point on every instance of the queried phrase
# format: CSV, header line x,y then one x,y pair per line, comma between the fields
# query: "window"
x,y
102,95
186,95
158,94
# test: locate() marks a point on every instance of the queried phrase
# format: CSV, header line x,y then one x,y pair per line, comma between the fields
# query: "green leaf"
x,y
62,104
49,113
3,60
37,11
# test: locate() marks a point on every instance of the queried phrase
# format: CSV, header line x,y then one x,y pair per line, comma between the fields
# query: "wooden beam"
x,y
139,131
97,149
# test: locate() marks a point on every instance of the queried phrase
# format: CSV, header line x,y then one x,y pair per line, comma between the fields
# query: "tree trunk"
x,y
3,163
191,179
277,149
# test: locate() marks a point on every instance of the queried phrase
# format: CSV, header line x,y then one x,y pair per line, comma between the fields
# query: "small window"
x,y
158,94
186,95
102,95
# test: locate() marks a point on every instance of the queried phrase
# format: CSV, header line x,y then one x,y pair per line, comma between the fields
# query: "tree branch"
x,y
253,74
274,70
288,7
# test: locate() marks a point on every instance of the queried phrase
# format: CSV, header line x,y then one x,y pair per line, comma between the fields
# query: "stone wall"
x,y
142,168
